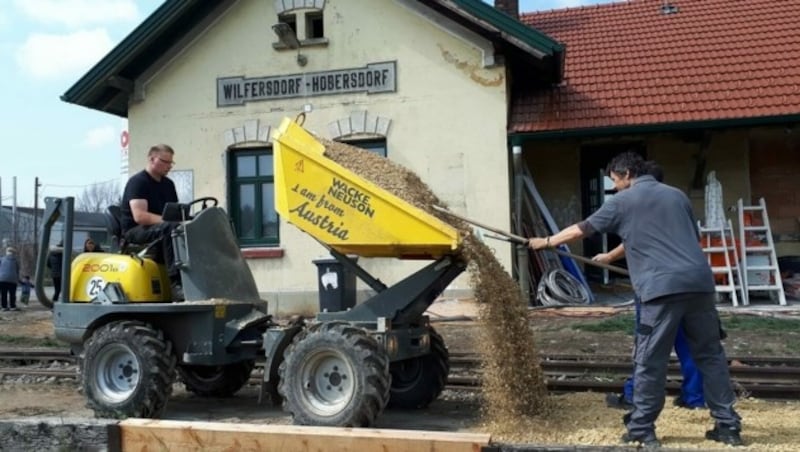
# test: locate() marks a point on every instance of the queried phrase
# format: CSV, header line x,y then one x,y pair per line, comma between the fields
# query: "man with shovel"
x,y
691,396
672,277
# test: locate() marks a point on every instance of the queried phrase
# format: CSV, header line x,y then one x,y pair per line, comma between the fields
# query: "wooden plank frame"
x,y
166,435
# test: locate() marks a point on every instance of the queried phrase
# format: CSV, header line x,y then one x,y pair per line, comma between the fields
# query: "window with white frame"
x,y
306,20
252,195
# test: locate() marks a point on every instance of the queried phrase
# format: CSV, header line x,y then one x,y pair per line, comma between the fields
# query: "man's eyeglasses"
x,y
166,162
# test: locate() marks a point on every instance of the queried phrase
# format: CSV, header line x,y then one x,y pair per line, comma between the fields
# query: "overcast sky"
x,y
45,46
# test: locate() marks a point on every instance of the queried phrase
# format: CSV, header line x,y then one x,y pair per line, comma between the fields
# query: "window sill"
x,y
312,42
262,253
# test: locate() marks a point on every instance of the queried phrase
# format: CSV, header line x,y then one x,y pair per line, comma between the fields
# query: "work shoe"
x,y
645,441
680,403
176,290
725,434
618,401
626,418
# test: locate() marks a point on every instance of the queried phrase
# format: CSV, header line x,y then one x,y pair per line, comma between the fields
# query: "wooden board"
x,y
155,435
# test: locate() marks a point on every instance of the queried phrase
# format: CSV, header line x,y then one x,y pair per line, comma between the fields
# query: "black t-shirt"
x,y
142,186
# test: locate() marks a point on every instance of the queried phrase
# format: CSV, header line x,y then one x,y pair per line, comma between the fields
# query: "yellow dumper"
x,y
346,212
344,367
338,369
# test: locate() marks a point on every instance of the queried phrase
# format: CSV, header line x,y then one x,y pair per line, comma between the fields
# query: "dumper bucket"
x,y
345,211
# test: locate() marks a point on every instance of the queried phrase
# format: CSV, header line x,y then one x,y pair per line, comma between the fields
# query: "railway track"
x,y
764,377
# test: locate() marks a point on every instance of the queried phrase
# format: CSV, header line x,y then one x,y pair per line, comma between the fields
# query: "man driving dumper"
x,y
143,200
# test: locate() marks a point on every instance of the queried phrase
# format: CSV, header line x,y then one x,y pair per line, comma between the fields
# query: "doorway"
x,y
596,187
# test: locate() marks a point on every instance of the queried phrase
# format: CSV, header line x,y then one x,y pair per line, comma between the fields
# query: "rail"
x,y
757,376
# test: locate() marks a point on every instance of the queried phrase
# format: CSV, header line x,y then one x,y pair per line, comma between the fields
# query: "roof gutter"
x,y
522,137
510,29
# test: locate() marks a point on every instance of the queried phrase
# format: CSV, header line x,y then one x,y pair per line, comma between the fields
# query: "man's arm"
x,y
611,256
140,214
566,235
603,220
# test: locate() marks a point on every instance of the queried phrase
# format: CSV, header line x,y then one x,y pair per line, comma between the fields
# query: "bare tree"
x,y
96,197
26,253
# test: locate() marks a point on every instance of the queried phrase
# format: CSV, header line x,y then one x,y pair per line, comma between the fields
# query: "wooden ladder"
x,y
731,270
759,263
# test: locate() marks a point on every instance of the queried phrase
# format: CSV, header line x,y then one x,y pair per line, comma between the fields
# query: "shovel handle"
x,y
513,238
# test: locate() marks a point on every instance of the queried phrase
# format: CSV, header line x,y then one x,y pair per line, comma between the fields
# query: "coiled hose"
x,y
558,287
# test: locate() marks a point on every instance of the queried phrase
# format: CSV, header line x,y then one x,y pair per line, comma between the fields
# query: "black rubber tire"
x,y
334,374
271,388
114,356
216,381
416,382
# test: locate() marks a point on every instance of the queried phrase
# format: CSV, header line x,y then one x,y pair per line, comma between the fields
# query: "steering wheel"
x,y
205,200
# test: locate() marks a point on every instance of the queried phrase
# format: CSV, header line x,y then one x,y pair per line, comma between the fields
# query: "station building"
x,y
451,89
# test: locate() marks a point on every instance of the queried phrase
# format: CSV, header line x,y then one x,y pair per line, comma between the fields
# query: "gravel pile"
x,y
513,383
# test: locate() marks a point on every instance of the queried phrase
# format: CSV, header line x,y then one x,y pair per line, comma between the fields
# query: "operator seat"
x,y
114,227
113,219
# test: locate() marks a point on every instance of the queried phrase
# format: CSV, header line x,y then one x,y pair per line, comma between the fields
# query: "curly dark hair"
x,y
651,168
629,163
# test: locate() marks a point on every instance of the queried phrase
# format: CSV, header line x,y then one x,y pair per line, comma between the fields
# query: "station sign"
x,y
372,78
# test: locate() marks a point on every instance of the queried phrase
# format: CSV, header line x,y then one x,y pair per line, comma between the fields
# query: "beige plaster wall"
x,y
726,155
447,117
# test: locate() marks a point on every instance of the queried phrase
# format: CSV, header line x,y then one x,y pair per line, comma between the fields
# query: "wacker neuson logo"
x,y
373,78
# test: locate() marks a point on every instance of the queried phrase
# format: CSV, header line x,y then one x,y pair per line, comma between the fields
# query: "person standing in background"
x,y
89,246
9,276
25,287
54,263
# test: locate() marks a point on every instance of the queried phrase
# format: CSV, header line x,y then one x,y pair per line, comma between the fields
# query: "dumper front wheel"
x,y
216,381
128,370
334,374
417,382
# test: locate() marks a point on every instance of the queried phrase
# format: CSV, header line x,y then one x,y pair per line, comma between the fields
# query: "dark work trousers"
x,y
146,234
691,383
8,295
56,287
655,337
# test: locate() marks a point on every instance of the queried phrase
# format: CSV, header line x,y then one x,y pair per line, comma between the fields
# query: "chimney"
x,y
510,7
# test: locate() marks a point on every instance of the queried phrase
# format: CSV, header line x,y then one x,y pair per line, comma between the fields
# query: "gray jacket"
x,y
662,246
9,269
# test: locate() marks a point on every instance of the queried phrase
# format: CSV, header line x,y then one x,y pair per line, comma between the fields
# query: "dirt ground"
x,y
574,419
554,329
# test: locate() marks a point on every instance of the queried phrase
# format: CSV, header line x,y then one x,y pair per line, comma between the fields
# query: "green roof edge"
x,y
518,138
511,25
162,16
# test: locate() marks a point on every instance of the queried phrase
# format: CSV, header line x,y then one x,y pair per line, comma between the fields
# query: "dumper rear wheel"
x,y
128,370
334,374
216,381
417,382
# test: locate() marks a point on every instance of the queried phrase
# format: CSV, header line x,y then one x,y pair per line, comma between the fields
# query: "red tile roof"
x,y
628,64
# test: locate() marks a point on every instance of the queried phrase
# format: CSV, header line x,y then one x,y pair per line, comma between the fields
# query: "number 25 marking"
x,y
95,286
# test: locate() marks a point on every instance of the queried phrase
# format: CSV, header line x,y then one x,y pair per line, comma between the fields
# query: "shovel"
x,y
513,238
